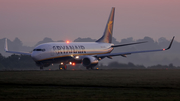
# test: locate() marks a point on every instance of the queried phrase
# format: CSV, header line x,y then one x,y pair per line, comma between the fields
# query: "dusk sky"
x,y
33,20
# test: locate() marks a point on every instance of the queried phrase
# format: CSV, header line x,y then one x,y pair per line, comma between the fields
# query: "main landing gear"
x,y
64,67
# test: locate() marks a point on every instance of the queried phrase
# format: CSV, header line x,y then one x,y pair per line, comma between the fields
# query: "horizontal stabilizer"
x,y
15,52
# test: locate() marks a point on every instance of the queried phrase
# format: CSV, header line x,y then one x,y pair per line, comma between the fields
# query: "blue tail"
x,y
107,36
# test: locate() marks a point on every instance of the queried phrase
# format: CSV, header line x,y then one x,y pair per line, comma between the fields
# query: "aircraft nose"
x,y
34,56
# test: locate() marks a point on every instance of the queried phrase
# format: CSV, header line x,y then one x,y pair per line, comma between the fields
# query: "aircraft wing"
x,y
15,52
128,44
133,52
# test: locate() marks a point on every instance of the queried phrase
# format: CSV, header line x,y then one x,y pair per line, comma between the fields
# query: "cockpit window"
x,y
39,50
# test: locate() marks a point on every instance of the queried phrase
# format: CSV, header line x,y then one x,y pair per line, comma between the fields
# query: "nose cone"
x,y
34,56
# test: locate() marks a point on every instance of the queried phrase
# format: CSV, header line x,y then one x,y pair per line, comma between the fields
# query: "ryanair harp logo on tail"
x,y
110,24
107,36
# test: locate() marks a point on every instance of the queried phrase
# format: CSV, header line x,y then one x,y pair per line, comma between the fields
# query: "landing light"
x,y
77,57
70,63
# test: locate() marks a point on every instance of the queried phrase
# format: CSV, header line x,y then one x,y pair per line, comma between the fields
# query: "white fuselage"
x,y
54,50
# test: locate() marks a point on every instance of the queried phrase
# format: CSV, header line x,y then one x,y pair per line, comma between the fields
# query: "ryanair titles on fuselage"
x,y
69,49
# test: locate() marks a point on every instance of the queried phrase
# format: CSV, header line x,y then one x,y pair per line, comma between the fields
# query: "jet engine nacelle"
x,y
90,61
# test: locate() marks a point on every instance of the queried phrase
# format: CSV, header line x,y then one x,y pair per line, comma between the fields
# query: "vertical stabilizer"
x,y
107,36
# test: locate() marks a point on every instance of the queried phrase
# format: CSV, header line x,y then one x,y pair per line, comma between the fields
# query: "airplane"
x,y
86,53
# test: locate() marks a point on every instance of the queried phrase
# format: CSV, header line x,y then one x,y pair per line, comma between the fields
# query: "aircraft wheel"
x,y
61,67
65,67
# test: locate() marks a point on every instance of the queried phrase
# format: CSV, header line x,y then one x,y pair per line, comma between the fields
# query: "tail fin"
x,y
107,36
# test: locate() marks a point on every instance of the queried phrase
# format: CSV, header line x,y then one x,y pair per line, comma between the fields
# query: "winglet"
x,y
170,44
5,46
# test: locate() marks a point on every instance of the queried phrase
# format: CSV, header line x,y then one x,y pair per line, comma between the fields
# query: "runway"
x,y
139,85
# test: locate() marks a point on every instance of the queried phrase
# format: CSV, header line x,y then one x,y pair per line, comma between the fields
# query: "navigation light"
x,y
67,41
73,64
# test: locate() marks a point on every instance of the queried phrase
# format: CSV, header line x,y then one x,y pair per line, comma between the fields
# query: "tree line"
x,y
24,62
17,62
130,65
147,59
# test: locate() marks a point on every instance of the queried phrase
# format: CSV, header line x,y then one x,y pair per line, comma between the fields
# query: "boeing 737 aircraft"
x,y
86,53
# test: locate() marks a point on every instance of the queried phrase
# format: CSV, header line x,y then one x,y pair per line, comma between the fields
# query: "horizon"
x,y
35,43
